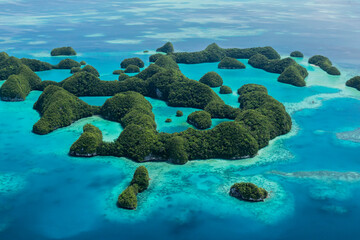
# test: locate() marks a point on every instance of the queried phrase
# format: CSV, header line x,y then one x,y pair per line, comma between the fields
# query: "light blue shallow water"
x,y
313,177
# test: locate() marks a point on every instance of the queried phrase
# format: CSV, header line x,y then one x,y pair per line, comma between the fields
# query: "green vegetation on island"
x,y
354,82
59,108
291,72
132,69
325,64
87,144
140,182
293,75
248,192
36,65
297,54
75,70
83,63
230,63
225,90
91,69
63,51
67,64
132,61
212,79
179,113
118,72
20,79
128,199
167,48
168,120
200,119
213,53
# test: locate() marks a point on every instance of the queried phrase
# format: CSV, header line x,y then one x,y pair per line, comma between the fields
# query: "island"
x,y
214,53
87,144
63,51
167,48
325,64
179,113
354,83
290,71
168,120
139,183
212,79
248,192
132,69
67,64
132,61
200,119
230,63
297,54
118,72
225,90
20,79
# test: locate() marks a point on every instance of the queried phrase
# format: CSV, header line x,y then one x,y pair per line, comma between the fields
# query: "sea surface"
x,y
312,174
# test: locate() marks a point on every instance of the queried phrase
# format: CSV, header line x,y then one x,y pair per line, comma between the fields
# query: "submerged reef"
x,y
325,64
140,182
248,192
212,79
132,61
354,83
63,51
297,54
167,48
230,63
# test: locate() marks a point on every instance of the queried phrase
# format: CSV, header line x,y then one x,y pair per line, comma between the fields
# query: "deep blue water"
x,y
313,177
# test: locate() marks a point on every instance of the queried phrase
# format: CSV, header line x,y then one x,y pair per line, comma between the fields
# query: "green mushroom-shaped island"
x,y
132,69
200,119
225,90
231,63
67,64
179,113
132,61
63,51
140,182
212,79
354,82
248,192
297,54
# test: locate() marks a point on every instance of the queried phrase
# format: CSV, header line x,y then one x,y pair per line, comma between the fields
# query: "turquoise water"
x,y
313,177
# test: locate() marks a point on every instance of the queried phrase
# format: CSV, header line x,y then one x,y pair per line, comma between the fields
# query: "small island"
x,y
225,90
139,183
168,120
167,48
132,69
325,64
179,113
212,79
297,54
63,51
248,192
200,119
354,83
67,64
132,61
231,63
